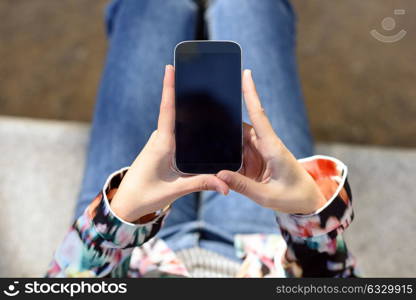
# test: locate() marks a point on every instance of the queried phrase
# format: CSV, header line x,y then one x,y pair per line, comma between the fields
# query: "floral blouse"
x,y
100,244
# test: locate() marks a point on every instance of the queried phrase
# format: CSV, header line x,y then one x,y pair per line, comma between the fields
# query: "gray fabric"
x,y
204,263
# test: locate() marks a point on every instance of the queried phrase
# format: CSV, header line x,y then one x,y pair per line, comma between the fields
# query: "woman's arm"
x,y
99,243
315,245
311,197
132,204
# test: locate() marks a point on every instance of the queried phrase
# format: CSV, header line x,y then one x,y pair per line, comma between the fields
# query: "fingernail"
x,y
221,191
248,72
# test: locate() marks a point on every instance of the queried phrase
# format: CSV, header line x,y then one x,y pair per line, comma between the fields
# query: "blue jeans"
x,y
142,35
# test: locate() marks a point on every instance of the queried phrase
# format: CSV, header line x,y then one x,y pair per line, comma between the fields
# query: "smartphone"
x,y
208,102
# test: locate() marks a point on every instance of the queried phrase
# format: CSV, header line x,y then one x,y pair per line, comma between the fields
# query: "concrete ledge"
x,y
41,166
382,236
40,170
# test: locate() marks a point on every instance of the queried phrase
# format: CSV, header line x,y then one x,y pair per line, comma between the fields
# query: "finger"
x,y
250,137
256,113
166,122
254,165
242,184
203,182
248,133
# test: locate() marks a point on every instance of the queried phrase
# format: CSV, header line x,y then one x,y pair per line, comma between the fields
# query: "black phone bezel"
x,y
210,47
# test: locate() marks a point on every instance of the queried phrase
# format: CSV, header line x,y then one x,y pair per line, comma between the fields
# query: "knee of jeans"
x,y
280,11
285,5
113,8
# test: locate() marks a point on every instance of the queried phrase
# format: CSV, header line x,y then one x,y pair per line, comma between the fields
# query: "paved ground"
x,y
358,90
51,54
44,162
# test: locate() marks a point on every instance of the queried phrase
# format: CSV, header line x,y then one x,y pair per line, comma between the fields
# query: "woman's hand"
x,y
270,175
151,183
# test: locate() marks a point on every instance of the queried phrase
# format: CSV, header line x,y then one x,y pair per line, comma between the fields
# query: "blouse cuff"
x,y
116,232
330,174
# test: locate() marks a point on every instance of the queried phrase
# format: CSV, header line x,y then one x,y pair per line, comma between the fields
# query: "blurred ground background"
x,y
358,90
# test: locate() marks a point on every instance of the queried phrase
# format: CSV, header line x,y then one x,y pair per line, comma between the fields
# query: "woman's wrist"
x,y
120,206
315,200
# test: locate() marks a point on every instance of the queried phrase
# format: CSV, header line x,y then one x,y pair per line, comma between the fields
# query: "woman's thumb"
x,y
240,183
205,182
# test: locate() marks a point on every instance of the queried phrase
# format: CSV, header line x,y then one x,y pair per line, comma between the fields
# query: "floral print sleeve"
x,y
315,246
99,244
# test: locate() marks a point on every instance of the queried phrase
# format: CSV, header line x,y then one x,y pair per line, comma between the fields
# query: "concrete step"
x,y
41,166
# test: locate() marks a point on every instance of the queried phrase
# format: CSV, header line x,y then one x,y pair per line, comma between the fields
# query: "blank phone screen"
x,y
208,129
